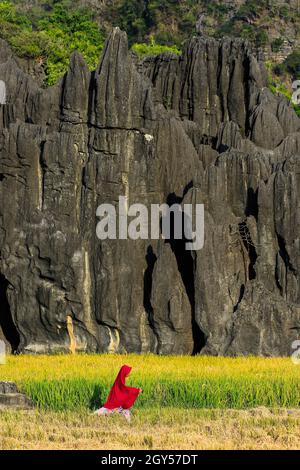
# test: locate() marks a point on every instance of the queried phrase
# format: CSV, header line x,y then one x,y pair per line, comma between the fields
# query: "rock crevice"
x,y
146,129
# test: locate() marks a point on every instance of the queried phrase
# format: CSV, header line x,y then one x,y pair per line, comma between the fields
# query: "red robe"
x,y
121,394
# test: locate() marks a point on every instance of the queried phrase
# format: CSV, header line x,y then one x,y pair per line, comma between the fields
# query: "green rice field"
x,y
67,382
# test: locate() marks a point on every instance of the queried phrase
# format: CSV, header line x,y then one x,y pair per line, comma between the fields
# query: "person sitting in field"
x,y
121,397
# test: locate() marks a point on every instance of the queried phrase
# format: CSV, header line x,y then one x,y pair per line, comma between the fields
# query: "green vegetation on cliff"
x,y
282,75
171,22
153,49
49,31
52,38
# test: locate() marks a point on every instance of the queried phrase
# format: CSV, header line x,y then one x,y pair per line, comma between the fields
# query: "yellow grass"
x,y
153,429
22,368
172,411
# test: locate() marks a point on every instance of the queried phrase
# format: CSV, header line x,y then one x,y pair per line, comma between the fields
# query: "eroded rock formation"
x,y
11,398
203,128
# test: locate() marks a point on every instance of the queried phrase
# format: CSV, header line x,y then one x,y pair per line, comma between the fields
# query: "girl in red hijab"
x,y
121,397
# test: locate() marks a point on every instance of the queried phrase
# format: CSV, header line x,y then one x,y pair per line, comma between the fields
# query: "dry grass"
x,y
72,383
153,429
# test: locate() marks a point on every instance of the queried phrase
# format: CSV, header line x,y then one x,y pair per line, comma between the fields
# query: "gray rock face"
x,y
8,387
10,398
201,128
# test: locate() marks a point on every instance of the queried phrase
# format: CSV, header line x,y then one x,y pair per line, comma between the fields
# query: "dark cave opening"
x,y
241,295
252,203
151,260
284,254
250,247
7,325
277,278
186,267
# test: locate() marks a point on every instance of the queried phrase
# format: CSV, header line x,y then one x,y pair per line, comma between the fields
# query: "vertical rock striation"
x,y
200,128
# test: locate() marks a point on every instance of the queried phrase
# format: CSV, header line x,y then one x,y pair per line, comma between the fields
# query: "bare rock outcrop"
x,y
202,128
11,398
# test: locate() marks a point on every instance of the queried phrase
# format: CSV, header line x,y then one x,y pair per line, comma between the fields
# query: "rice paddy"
x,y
81,382
153,429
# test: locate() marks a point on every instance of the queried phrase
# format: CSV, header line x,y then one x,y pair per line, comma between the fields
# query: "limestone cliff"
x,y
203,128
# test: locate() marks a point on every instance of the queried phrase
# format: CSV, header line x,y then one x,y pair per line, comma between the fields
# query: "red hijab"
x,y
120,394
